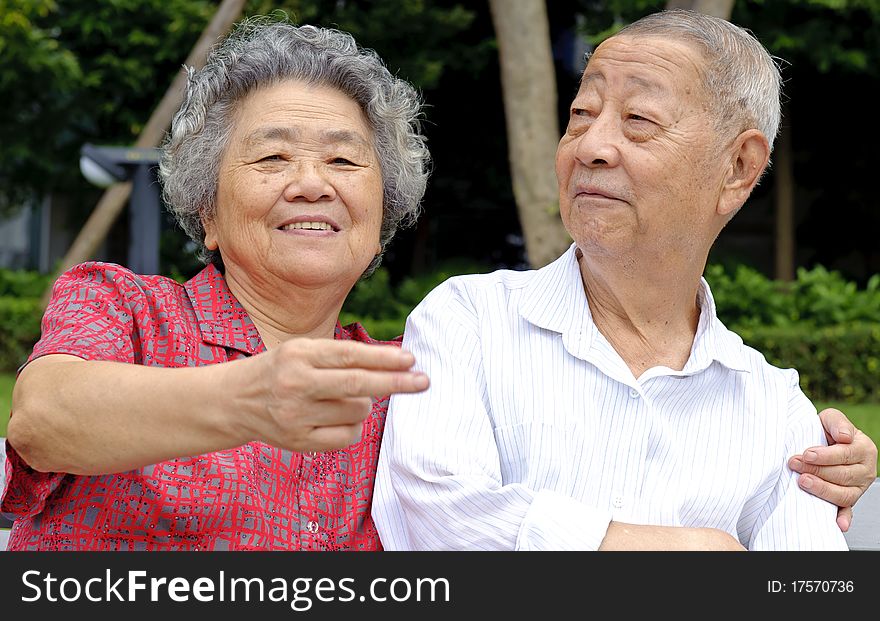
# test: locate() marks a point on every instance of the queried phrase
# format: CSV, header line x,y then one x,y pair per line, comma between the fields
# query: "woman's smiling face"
x,y
300,194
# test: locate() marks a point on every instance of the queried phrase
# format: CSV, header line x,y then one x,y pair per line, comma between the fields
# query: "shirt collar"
x,y
554,299
222,319
713,340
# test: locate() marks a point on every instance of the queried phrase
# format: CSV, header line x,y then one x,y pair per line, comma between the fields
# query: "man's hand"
x,y
842,471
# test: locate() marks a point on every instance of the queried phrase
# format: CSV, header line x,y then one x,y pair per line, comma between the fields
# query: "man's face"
x,y
640,167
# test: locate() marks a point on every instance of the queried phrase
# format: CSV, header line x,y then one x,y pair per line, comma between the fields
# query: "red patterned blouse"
x,y
254,497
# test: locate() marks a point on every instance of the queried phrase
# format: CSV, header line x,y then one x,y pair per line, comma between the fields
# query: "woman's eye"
x,y
271,158
636,117
343,161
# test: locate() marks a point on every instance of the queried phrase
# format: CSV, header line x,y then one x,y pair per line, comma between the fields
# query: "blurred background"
x,y
796,273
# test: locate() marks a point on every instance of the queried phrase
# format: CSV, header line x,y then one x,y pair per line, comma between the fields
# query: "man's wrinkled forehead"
x,y
647,64
645,84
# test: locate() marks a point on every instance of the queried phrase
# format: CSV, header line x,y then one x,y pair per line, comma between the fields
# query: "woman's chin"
x,y
299,268
318,275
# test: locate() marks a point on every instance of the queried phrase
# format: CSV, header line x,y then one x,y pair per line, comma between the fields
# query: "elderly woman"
x,y
292,161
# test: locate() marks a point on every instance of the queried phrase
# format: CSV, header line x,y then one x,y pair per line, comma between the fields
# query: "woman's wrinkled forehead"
x,y
299,94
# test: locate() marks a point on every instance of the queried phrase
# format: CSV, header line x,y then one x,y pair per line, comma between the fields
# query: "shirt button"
x,y
617,502
633,393
312,526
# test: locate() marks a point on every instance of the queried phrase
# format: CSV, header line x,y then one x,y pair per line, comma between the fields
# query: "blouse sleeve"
x,y
91,316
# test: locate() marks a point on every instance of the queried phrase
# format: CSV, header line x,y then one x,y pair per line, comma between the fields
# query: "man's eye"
x,y
582,115
637,117
271,158
343,161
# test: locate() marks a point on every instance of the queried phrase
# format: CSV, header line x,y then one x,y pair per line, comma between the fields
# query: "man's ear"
x,y
749,157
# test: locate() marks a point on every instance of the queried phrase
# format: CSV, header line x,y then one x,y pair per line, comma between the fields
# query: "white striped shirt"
x,y
535,434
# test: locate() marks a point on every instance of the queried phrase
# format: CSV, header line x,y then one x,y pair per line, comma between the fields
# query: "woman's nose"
x,y
310,182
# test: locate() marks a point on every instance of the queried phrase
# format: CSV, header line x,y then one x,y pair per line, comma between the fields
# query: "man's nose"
x,y
309,181
599,145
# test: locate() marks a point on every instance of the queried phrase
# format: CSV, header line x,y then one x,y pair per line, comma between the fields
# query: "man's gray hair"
x,y
261,52
742,79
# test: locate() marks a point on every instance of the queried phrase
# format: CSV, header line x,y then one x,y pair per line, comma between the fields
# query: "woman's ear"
x,y
749,159
210,234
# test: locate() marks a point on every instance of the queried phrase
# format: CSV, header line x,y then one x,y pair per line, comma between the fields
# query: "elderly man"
x,y
598,403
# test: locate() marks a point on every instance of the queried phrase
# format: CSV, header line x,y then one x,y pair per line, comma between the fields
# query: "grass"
x,y
6,382
864,416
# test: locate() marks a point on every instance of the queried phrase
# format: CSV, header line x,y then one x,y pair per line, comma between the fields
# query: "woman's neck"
x,y
282,311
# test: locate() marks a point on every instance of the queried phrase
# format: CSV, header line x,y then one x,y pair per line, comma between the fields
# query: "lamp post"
x,y
104,166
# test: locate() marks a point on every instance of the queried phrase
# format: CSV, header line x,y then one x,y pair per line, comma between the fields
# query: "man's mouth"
x,y
592,191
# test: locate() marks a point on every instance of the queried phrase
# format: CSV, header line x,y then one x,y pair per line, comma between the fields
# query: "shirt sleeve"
x,y
440,482
90,315
793,519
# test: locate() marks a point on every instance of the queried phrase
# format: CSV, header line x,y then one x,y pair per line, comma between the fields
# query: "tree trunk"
x,y
116,196
784,189
717,8
528,83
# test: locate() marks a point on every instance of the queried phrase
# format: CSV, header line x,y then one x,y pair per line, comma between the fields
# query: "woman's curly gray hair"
x,y
262,52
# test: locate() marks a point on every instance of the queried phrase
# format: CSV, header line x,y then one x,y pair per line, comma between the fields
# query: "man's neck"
x,y
649,314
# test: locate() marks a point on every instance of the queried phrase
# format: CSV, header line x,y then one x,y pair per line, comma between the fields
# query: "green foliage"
x,y
817,298
20,315
76,72
824,298
835,363
827,34
821,325
418,39
178,255
22,283
7,381
374,297
747,298
37,79
604,19
382,308
19,329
